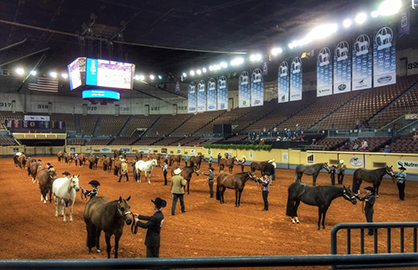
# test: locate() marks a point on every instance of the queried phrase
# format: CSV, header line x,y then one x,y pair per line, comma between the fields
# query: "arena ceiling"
x,y
208,25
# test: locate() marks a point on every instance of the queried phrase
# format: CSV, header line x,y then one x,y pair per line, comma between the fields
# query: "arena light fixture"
x,y
276,51
255,57
389,7
136,77
53,74
152,77
204,70
33,73
374,14
210,68
198,72
361,18
160,77
224,65
237,61
192,72
64,75
347,23
184,74
20,71
141,77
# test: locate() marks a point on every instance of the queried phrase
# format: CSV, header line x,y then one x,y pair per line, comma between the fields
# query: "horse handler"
x,y
154,224
400,181
341,171
210,180
123,170
265,182
370,199
177,189
92,193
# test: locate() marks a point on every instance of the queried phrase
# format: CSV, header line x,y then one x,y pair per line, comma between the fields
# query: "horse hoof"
x,y
319,228
98,251
293,221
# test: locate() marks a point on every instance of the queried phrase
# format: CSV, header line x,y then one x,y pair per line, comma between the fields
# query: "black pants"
x,y
175,198
401,188
333,179
127,177
211,189
265,199
340,178
369,218
165,178
153,252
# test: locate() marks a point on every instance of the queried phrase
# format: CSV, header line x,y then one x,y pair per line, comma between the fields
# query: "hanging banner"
x,y
283,83
265,69
324,73
201,96
244,90
405,25
362,63
177,87
384,52
192,97
342,68
296,79
222,93
257,89
211,95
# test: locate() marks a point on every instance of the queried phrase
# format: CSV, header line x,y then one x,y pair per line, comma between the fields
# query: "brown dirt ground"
x,y
29,229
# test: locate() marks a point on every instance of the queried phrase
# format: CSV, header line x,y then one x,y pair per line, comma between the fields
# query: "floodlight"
x,y
361,18
53,74
347,23
20,71
389,7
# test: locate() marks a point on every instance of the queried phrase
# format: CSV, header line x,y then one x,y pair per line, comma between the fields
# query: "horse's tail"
x,y
218,193
91,236
297,178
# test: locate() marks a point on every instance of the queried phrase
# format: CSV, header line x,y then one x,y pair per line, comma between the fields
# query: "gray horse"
x,y
310,170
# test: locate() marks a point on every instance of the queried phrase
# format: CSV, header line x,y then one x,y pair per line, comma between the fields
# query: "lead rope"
x,y
134,228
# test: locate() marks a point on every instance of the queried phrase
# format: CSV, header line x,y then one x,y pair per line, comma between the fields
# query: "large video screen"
x,y
75,70
112,74
101,94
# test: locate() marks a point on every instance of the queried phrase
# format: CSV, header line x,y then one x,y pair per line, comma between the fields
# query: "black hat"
x,y
266,173
369,188
66,173
402,168
94,183
211,168
159,202
48,163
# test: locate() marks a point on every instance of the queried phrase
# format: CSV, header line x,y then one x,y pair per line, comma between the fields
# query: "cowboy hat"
x,y
243,157
341,161
94,183
159,203
402,168
211,168
370,188
177,171
266,173
66,173
271,160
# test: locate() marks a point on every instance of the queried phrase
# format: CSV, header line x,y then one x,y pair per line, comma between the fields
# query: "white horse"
x,y
64,190
144,166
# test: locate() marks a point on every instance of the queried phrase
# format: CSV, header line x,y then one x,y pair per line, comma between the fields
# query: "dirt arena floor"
x,y
29,229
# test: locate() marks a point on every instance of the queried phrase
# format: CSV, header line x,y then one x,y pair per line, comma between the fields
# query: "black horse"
x,y
372,176
233,181
100,214
320,196
310,170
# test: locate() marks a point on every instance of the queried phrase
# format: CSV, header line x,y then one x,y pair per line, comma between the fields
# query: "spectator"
x,y
386,149
313,142
356,147
275,129
278,139
289,133
298,130
415,137
357,124
346,147
262,142
364,146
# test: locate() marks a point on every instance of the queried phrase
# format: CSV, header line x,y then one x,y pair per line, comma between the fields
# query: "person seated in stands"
x,y
415,137
275,129
285,139
264,129
356,147
262,142
346,146
364,146
386,149
313,142
278,139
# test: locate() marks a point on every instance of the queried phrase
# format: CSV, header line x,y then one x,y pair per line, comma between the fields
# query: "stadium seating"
x,y
195,123
147,140
124,141
186,141
99,141
166,124
140,121
5,141
225,118
329,143
77,142
88,123
168,141
405,144
236,138
67,118
111,125
374,143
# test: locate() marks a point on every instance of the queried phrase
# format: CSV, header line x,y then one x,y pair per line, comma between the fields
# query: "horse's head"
x,y
154,162
252,176
196,170
389,171
52,173
325,166
74,182
124,210
348,194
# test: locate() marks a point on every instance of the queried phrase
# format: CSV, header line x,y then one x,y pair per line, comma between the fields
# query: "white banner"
x,y
384,57
36,118
342,68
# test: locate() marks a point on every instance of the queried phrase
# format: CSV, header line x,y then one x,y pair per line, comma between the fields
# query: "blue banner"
x,y
362,63
244,90
405,25
296,79
192,97
257,89
324,73
384,52
283,87
211,95
201,96
342,68
222,93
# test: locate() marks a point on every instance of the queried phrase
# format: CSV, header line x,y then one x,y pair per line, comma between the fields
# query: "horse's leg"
x,y
297,202
108,246
314,176
188,186
222,194
117,237
97,235
63,212
71,210
239,198
89,236
323,217
320,211
236,198
56,206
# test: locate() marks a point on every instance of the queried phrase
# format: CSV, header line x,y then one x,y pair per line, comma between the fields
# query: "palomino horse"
x,y
310,170
321,196
233,181
197,160
64,190
101,214
175,158
33,170
81,159
46,178
68,158
187,173
227,163
144,166
371,176
93,161
60,155
117,166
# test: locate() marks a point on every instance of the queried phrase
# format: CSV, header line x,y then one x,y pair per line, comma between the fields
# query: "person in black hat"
x,y
91,193
154,224
211,178
66,174
400,181
332,174
265,182
370,199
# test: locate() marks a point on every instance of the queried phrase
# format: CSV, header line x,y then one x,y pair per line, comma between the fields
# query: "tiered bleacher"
x,y
77,142
141,122
124,141
4,141
374,144
87,124
99,141
406,144
112,125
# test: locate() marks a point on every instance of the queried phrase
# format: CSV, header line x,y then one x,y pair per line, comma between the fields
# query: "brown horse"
x,y
46,178
174,158
68,158
93,161
117,167
81,159
157,156
258,166
187,173
197,160
227,163
21,161
33,170
117,153
101,214
371,176
139,155
107,164
233,181
60,155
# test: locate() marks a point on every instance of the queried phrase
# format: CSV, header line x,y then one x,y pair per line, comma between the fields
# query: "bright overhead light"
x,y
33,73
255,57
347,23
141,77
224,65
136,77
53,74
374,14
210,68
64,75
160,77
152,77
389,7
320,32
291,45
204,70
192,72
198,72
20,71
237,61
184,74
276,51
361,18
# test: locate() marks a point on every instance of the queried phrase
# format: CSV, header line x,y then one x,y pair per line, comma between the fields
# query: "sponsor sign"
x,y
201,96
192,152
342,68
310,158
362,63
285,156
211,95
192,97
222,93
105,149
356,161
408,164
411,116
125,149
72,150
36,118
251,155
163,150
296,79
257,90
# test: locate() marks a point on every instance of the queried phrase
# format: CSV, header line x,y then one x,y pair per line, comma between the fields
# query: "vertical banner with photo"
x,y
192,97
296,79
362,63
384,52
324,73
257,89
211,95
244,90
283,82
342,68
222,93
201,96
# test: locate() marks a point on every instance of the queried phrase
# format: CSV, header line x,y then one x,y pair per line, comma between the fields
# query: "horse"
x,y
16,159
233,181
107,164
117,167
310,170
117,153
93,161
21,160
144,166
60,155
64,190
139,155
321,196
68,158
371,176
227,163
46,178
187,173
81,159
33,170
197,160
174,158
157,157
101,214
